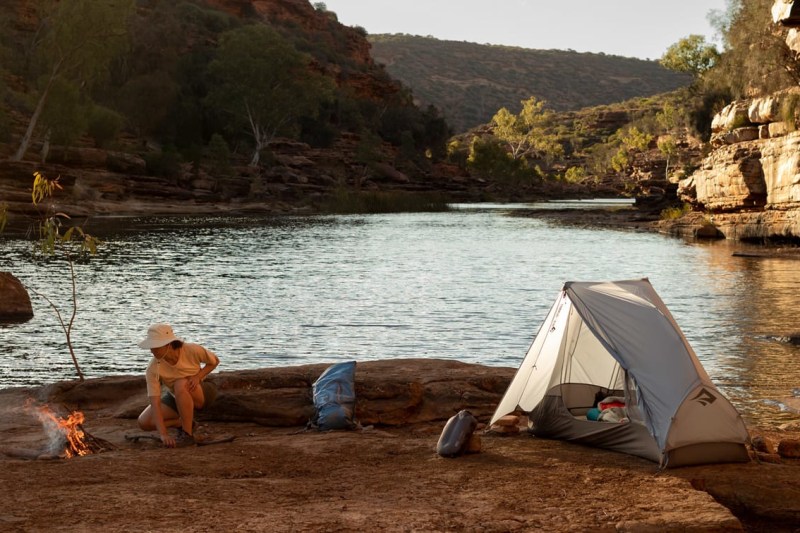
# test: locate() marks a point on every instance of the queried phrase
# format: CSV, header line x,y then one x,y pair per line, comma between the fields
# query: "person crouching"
x,y
181,368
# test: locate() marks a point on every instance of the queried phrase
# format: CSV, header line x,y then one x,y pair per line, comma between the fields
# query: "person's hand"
x,y
192,382
168,441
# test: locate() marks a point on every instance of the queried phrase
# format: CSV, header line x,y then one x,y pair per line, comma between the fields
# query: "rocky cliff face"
x,y
750,183
367,81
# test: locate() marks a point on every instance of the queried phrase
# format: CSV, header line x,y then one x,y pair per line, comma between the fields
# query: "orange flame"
x,y
70,428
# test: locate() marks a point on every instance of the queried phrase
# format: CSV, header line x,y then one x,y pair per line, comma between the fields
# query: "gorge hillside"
x,y
469,82
187,111
200,104
159,122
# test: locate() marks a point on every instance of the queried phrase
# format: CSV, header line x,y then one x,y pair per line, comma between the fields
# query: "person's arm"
x,y
206,369
158,418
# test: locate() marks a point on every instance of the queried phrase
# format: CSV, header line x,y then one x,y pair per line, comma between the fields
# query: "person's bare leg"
x,y
147,418
187,402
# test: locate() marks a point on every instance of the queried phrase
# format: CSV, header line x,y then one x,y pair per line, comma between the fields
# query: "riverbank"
x,y
692,226
277,476
628,217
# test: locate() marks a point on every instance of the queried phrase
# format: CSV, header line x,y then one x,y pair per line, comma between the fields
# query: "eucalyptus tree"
x,y
673,122
161,78
76,41
147,100
691,54
631,140
264,85
527,134
64,116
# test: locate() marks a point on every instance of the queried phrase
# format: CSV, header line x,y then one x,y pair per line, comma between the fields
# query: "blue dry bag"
x,y
335,397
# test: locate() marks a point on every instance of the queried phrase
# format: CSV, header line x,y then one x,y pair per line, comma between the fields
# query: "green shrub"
x,y
739,121
673,213
708,221
457,153
490,160
317,133
621,160
219,156
789,108
64,113
166,164
267,159
104,125
575,175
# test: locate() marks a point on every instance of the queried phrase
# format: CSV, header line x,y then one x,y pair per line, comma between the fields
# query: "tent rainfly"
x,y
619,339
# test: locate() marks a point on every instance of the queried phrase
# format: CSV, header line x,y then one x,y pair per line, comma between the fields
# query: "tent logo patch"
x,y
705,397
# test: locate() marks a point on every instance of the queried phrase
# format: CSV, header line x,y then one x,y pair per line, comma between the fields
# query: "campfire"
x,y
66,436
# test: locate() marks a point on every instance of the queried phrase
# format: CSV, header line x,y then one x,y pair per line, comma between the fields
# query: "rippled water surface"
x,y
472,284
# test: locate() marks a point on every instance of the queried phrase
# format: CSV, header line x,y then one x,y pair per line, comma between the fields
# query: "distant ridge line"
x,y
469,82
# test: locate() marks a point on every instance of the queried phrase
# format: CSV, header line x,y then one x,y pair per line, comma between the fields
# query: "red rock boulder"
x,y
16,306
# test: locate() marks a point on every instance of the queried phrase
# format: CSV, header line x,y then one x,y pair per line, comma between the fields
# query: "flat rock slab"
x,y
390,393
387,478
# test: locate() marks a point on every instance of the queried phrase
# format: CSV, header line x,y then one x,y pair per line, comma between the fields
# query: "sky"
x,y
630,28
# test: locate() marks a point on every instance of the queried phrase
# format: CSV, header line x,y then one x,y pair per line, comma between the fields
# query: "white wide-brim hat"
x,y
158,335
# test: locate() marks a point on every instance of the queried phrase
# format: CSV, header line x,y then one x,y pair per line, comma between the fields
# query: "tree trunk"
x,y
46,146
257,136
261,143
26,139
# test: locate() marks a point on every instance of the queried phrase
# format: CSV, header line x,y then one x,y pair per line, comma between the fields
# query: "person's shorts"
x,y
209,393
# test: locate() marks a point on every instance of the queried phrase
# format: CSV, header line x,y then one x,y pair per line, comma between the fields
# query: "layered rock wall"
x,y
750,182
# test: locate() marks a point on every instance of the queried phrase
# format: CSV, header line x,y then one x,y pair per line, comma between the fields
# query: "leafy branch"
x,y
55,236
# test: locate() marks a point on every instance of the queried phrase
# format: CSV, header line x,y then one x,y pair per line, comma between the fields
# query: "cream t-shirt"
x,y
161,372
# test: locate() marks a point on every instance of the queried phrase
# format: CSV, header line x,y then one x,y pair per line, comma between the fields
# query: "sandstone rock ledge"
x,y
276,476
749,182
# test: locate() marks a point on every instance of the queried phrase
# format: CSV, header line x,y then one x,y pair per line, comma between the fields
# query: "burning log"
x,y
66,436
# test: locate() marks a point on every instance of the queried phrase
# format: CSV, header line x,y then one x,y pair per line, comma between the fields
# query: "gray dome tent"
x,y
619,339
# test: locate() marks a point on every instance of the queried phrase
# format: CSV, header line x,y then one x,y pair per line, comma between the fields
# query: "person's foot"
x,y
183,439
201,435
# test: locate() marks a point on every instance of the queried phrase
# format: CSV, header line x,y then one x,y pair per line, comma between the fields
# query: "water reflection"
x,y
471,285
762,307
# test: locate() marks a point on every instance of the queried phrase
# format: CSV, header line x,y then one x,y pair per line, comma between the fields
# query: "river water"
x,y
472,284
